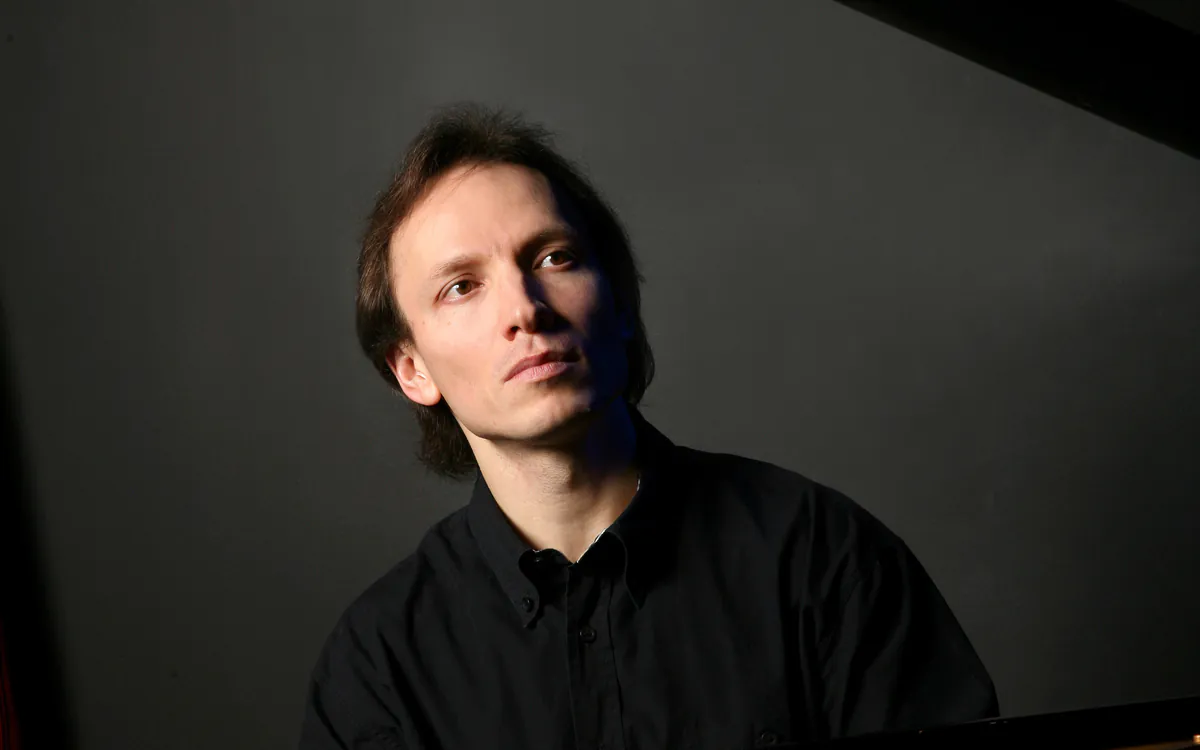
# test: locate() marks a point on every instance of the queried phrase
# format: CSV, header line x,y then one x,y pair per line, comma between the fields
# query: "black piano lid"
x,y
1105,728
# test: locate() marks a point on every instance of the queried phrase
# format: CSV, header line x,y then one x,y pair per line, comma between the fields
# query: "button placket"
x,y
594,692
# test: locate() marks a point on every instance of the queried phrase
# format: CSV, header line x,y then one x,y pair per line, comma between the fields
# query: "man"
x,y
604,588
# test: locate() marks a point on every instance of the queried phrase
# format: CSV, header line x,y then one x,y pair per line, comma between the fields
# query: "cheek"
x,y
450,366
460,361
582,300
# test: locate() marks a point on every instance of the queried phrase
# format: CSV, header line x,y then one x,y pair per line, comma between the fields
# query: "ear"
x,y
414,379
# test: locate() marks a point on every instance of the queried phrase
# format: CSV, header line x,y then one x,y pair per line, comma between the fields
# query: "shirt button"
x,y
587,634
527,604
768,738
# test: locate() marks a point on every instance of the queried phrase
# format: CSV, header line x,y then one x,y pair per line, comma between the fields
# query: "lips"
x,y
567,355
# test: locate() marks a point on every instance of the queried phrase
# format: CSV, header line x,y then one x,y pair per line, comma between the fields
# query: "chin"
x,y
557,416
548,418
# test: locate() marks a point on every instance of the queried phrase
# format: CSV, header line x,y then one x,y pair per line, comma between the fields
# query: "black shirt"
x,y
734,604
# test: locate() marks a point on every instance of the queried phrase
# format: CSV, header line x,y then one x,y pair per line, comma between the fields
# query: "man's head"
x,y
489,247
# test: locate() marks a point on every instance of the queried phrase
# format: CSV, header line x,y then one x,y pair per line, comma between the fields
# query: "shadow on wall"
x,y
1104,458
34,667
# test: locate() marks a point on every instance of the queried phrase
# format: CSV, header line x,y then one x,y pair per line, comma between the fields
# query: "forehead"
x,y
475,209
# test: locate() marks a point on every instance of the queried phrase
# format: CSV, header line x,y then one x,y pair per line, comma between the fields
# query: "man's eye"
x,y
566,257
464,282
566,254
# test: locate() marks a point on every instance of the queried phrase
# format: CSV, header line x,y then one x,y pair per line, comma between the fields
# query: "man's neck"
x,y
562,497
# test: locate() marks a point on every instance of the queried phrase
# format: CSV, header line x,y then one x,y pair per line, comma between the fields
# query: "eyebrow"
x,y
535,242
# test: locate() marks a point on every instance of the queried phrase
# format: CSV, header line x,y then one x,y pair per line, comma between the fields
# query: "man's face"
x,y
487,272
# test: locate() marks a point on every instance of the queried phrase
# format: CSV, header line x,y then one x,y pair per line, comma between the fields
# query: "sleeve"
x,y
349,705
894,657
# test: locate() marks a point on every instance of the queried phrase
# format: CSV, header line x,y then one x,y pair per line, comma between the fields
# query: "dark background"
x,y
971,306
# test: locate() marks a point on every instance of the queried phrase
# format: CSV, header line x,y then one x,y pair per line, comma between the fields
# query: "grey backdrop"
x,y
967,305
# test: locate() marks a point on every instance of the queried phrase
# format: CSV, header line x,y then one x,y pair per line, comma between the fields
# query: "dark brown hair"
x,y
471,134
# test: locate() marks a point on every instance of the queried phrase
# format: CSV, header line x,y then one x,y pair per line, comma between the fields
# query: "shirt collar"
x,y
638,528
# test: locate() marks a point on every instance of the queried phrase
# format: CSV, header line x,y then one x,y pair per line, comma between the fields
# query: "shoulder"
x,y
820,527
769,492
432,571
425,580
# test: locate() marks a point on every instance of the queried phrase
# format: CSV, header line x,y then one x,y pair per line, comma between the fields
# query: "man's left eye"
x,y
564,253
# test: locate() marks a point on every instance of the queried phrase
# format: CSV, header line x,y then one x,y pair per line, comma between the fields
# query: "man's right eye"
x,y
458,284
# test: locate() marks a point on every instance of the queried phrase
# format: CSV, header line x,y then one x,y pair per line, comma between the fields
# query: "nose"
x,y
525,304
